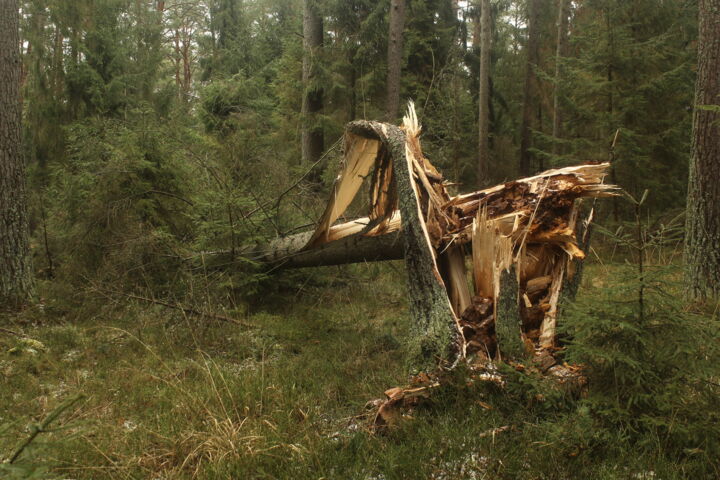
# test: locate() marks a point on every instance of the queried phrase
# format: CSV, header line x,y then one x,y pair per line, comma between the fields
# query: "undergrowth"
x,y
168,395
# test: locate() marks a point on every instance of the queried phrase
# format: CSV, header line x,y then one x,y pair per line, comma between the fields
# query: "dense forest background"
x,y
153,129
164,139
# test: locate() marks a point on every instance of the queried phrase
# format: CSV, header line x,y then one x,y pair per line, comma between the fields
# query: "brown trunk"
x,y
394,58
529,92
702,242
484,94
312,133
290,252
16,278
561,47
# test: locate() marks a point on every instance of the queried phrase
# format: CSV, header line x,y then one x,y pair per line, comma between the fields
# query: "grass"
x,y
169,396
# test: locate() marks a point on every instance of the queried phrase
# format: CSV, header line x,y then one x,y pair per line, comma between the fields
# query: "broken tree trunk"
x,y
523,236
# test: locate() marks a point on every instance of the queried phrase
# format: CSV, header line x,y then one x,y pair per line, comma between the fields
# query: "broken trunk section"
x,y
522,237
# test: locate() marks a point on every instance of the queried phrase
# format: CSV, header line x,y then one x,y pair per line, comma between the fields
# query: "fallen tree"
x,y
522,236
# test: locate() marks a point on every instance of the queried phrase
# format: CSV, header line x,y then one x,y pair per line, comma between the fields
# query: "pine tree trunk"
x,y
394,58
533,57
484,94
312,133
16,281
560,50
702,243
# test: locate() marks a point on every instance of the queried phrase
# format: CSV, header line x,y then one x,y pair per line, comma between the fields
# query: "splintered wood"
x,y
522,237
526,226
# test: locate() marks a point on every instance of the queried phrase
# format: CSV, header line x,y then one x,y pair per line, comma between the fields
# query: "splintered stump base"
x,y
523,237
400,403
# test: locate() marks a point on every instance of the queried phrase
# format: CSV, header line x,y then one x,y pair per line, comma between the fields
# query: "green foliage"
x,y
630,71
651,379
123,184
651,361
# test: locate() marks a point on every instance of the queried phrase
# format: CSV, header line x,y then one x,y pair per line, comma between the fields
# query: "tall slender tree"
x,y
702,242
529,91
312,133
394,58
484,92
561,47
16,279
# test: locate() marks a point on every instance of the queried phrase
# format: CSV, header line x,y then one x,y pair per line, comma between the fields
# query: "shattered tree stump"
x,y
523,237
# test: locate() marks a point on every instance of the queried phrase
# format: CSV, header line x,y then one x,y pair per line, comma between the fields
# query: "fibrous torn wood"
x,y
522,236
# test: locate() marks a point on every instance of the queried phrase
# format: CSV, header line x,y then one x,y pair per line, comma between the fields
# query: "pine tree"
x,y
16,276
484,93
394,58
702,244
530,89
312,133
560,52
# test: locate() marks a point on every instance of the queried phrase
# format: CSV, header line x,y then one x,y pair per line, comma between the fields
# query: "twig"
x,y
307,172
36,429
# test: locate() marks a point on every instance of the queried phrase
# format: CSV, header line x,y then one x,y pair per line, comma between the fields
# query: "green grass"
x,y
169,396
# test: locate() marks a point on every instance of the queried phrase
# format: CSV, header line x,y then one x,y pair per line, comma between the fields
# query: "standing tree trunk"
x,y
562,34
394,58
16,281
484,94
702,241
312,133
529,93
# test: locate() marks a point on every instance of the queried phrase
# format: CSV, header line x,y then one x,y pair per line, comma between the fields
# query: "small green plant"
x,y
650,361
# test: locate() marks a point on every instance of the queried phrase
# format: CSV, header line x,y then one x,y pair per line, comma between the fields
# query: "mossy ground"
x,y
169,396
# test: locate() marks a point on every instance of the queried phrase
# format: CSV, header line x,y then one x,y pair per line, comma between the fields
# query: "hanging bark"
x,y
561,48
529,91
702,242
394,58
312,141
484,93
16,276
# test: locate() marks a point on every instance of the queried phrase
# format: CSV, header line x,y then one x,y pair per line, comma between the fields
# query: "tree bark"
x,y
313,142
289,252
16,279
529,91
394,58
702,241
484,94
561,48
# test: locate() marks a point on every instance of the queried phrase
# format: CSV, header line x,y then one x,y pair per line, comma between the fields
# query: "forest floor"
x,y
171,396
